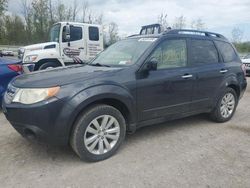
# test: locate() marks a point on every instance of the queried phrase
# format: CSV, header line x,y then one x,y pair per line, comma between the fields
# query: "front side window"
x,y
93,33
226,51
170,54
75,33
203,52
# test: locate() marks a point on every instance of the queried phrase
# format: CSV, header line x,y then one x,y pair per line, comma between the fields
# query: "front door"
x,y
74,50
167,90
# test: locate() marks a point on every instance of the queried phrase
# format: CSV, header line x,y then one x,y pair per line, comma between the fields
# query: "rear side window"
x,y
93,33
75,33
226,51
203,52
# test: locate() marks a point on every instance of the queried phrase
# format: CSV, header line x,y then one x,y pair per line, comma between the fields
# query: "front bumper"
x,y
46,121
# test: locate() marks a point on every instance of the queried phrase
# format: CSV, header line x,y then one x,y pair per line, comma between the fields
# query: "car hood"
x,y
39,46
62,76
245,60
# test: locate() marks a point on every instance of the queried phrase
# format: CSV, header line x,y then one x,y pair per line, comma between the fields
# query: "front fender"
x,y
91,95
49,54
52,53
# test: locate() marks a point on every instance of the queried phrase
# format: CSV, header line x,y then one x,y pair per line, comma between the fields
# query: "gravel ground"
x,y
192,152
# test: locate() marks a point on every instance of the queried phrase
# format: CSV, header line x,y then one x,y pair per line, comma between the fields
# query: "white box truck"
x,y
70,43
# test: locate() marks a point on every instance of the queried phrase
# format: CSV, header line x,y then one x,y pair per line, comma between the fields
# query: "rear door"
x,y
209,69
94,41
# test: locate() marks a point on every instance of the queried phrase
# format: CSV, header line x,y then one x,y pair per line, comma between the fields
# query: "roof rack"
x,y
194,32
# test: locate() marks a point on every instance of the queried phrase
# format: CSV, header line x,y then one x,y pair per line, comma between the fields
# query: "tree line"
x,y
36,17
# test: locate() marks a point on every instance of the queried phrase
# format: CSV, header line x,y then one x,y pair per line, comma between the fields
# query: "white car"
x,y
246,61
7,53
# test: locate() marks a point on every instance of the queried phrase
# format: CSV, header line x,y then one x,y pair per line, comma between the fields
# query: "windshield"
x,y
55,33
123,53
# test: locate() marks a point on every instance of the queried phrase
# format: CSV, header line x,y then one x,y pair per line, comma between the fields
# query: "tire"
x,y
86,128
218,114
48,65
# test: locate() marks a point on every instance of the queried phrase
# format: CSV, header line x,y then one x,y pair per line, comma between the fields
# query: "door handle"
x,y
223,71
187,76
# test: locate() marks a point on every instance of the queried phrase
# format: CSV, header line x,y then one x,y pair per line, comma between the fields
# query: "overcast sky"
x,y
218,16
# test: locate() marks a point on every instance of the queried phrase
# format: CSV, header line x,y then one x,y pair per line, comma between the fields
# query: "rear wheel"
x,y
98,133
225,106
48,65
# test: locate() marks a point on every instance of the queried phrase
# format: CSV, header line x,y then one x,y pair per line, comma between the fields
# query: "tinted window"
x,y
203,52
75,33
93,33
226,51
170,54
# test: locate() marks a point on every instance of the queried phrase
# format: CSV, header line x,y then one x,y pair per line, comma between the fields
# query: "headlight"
x,y
30,58
31,96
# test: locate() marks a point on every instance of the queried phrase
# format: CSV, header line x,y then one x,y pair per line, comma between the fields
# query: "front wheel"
x,y
225,106
98,133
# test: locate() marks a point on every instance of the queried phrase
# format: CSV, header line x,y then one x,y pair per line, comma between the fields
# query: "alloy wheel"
x,y
227,105
102,134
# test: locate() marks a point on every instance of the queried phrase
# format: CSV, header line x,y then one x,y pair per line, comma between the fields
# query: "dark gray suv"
x,y
139,81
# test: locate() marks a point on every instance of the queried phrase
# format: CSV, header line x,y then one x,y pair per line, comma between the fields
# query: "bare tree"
x,y
162,19
85,7
51,10
198,24
3,6
74,10
113,33
99,19
26,11
237,35
180,22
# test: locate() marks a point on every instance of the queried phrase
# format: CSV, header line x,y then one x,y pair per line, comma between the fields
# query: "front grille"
x,y
247,64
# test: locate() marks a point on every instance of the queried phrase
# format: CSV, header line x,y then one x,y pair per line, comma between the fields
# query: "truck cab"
x,y
69,43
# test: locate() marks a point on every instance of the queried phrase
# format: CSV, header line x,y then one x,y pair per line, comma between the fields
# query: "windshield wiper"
x,y
98,65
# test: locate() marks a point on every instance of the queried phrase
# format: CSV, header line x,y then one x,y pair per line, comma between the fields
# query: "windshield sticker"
x,y
125,62
147,39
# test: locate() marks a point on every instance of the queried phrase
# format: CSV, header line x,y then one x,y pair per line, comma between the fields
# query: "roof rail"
x,y
194,32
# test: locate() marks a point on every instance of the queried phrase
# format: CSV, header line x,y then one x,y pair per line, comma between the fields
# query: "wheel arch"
x,y
236,88
42,61
111,95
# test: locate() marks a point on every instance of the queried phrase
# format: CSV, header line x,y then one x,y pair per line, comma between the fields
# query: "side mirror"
x,y
152,65
67,33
